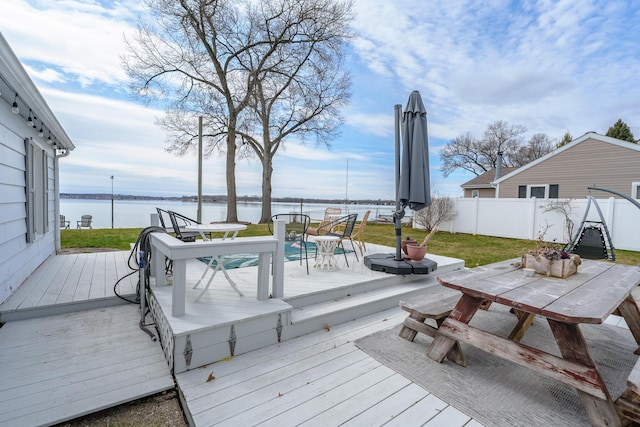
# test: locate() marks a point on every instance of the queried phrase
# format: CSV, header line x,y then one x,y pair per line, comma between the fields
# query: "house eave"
x,y
15,80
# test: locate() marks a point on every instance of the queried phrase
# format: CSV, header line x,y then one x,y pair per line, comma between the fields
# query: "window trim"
x,y
635,190
545,186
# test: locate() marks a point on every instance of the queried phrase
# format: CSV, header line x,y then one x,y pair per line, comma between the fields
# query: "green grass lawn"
x,y
474,250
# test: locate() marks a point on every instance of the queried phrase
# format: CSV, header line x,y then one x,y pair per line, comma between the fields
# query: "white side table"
x,y
204,229
326,260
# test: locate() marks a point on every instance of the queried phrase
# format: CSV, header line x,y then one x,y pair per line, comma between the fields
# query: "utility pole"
x,y
111,201
199,217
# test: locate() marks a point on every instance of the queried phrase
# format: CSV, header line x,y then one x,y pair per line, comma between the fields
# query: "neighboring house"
x,y
29,177
566,172
482,185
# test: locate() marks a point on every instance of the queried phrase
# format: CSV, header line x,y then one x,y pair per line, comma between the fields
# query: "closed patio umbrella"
x,y
414,175
412,183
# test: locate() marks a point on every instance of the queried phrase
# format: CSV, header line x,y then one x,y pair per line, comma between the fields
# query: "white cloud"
x,y
551,66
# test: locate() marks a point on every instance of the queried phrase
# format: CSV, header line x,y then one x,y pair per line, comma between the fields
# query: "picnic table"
x,y
598,290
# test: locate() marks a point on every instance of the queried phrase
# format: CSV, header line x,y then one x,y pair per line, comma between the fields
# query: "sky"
x,y
551,66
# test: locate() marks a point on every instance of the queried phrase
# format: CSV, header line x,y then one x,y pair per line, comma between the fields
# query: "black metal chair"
x,y
296,226
163,223
178,222
343,229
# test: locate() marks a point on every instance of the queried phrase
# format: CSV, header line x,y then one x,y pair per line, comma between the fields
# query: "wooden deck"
x,y
98,357
61,367
69,283
319,379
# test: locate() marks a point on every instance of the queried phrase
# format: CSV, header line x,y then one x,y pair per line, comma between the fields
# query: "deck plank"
x,y
424,409
71,283
343,403
82,292
98,278
392,404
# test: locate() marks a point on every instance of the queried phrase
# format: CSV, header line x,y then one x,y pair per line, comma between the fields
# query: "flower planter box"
x,y
557,268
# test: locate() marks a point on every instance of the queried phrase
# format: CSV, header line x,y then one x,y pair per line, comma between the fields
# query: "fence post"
x,y
532,218
476,213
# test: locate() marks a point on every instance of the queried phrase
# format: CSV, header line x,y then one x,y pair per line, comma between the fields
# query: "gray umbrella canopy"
x,y
414,189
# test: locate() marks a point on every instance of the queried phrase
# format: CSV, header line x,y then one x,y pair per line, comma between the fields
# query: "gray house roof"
x,y
486,179
14,80
586,136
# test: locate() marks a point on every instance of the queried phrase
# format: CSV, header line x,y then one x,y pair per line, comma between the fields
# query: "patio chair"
x,y
358,233
296,226
64,223
329,215
178,222
164,219
342,228
85,222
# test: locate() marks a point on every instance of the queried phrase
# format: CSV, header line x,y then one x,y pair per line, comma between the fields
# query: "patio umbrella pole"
x,y
398,214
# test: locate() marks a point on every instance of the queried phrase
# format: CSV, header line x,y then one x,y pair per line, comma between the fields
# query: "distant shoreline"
x,y
223,198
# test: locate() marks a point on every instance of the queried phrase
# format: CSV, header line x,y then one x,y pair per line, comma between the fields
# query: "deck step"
x,y
11,315
314,317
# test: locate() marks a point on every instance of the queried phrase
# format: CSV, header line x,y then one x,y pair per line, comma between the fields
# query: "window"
x,y
475,193
522,191
539,191
635,190
37,191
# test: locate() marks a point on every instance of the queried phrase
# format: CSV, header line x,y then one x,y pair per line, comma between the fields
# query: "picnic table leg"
x,y
573,347
629,310
524,321
444,346
408,333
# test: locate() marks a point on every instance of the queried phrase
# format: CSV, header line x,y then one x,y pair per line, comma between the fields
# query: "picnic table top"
x,y
589,296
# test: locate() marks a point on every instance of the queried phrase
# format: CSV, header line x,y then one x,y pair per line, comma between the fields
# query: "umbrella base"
x,y
388,264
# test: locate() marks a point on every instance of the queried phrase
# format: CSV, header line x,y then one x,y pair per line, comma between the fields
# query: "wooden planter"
x,y
557,268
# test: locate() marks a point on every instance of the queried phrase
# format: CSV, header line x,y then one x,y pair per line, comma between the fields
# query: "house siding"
x,y
589,163
482,192
17,257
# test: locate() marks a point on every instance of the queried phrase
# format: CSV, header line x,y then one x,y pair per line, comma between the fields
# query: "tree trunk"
x,y
267,172
232,206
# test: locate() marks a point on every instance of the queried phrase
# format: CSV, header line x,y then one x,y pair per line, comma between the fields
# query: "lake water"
x,y
137,213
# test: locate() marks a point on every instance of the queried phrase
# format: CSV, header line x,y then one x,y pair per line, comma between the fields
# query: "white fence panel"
x,y
526,219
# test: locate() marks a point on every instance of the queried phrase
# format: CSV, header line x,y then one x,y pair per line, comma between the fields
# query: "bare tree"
x,y
301,95
209,58
442,209
539,145
480,156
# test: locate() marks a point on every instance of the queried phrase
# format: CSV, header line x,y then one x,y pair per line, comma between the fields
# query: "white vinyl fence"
x,y
525,219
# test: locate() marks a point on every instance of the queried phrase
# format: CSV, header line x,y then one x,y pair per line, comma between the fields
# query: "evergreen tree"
x,y
620,130
567,138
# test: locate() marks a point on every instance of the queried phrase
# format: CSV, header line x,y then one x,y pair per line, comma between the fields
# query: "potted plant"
x,y
417,252
551,260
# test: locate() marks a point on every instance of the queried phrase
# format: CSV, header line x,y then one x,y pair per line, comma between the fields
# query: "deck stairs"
x,y
322,309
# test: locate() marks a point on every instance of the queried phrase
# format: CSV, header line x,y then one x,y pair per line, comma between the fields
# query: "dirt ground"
x,y
155,411
158,410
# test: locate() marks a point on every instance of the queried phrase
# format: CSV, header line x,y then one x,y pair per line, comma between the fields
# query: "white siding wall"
x,y
18,259
524,219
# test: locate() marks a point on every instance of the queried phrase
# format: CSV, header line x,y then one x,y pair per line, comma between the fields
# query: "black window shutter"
x,y
522,191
